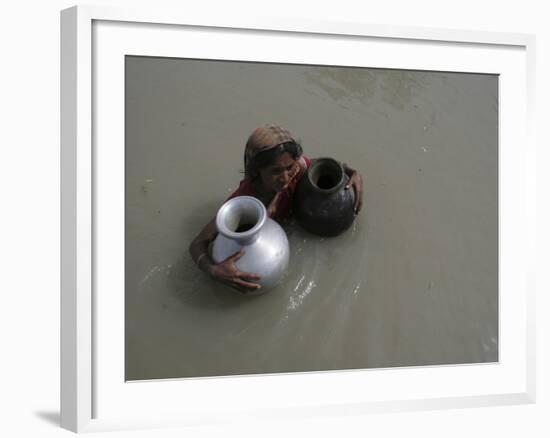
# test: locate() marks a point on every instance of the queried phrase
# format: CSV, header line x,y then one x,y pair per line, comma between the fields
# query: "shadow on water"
x,y
192,287
181,282
186,282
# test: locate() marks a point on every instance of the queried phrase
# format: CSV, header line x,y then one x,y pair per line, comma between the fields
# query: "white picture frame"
x,y
93,397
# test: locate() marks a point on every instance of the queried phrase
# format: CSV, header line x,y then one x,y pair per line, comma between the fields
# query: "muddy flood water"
x,y
413,282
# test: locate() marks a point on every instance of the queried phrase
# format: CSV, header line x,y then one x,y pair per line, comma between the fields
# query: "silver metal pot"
x,y
243,223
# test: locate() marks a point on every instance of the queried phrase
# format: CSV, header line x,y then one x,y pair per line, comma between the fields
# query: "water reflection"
x,y
359,85
342,85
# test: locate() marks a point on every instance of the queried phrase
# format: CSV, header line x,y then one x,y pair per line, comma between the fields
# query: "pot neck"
x,y
326,176
241,219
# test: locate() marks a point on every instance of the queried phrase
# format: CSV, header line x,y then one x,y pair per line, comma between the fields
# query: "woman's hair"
x,y
267,158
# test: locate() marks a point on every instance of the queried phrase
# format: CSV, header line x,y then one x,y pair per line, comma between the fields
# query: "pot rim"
x,y
245,235
319,161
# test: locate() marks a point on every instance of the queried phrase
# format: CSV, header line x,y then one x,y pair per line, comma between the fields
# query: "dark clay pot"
x,y
321,203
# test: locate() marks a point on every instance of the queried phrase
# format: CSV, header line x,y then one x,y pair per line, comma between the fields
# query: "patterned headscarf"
x,y
264,138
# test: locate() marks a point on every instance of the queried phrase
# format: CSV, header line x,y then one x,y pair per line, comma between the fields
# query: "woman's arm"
x,y
355,181
199,246
225,271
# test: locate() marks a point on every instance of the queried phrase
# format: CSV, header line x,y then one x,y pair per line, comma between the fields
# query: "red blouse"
x,y
280,207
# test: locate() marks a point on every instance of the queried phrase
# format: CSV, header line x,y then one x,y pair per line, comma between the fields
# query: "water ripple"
x,y
296,301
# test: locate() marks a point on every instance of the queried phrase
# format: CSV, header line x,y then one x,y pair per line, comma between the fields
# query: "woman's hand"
x,y
355,181
228,272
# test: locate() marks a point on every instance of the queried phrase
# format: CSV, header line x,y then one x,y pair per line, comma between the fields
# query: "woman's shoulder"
x,y
245,189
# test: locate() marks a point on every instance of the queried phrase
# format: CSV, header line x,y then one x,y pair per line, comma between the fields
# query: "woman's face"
x,y
275,177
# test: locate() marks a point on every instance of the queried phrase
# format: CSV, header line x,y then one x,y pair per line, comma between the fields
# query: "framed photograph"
x,y
424,302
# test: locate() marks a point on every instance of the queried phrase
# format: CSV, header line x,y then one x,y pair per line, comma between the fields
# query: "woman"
x,y
274,165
